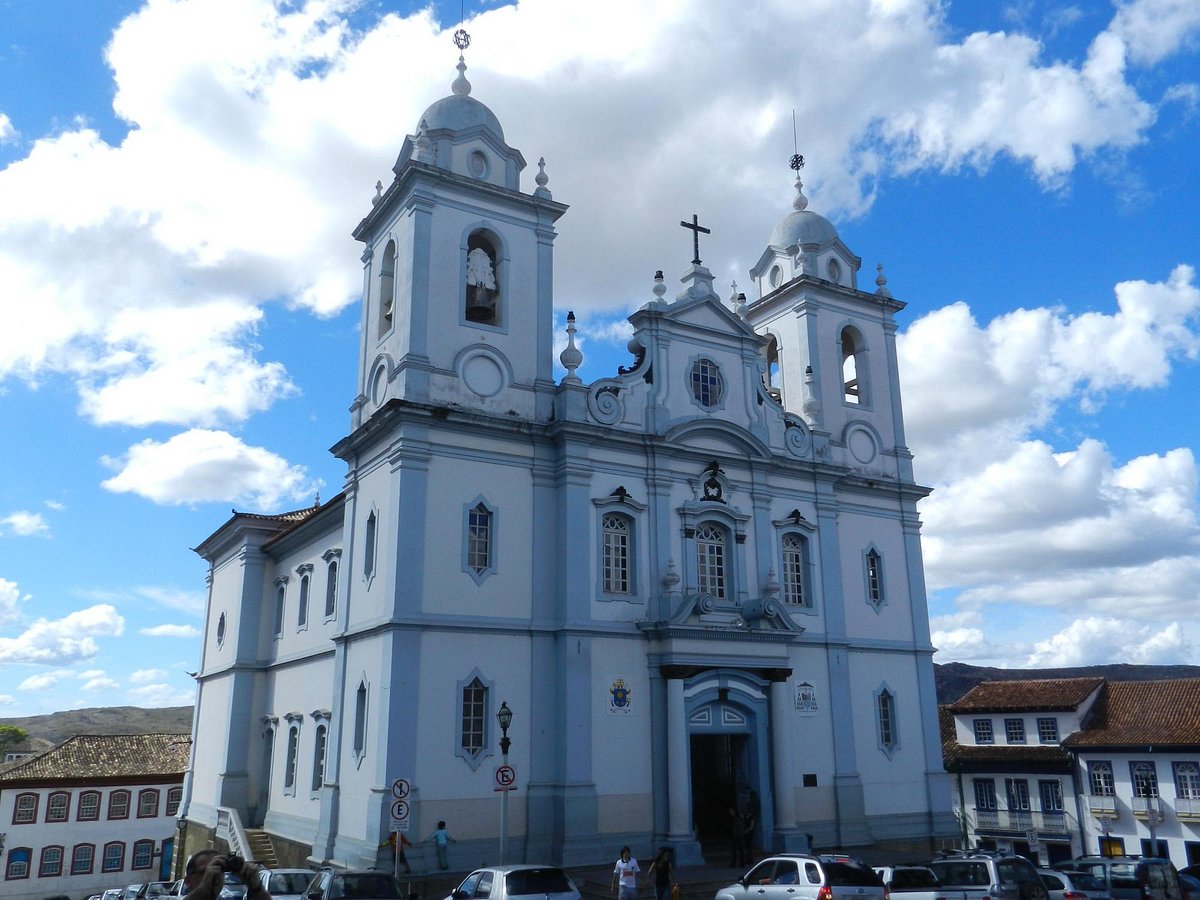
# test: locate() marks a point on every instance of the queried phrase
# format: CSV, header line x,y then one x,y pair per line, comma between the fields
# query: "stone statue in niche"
x,y
481,287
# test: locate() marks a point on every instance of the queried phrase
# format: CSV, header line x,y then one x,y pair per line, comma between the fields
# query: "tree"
x,y
11,736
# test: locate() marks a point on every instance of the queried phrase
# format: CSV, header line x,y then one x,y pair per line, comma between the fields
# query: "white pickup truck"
x,y
910,882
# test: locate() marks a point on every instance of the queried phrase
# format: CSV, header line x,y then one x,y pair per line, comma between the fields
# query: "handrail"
x,y
229,828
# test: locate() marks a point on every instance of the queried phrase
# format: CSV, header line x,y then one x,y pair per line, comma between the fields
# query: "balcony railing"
x,y
1022,820
1144,806
1102,804
1187,807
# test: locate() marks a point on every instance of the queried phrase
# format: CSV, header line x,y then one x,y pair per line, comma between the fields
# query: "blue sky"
x,y
179,179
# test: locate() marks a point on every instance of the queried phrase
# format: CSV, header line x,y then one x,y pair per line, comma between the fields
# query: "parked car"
x,y
157,889
286,884
1130,877
133,891
983,873
1190,885
358,884
512,882
801,876
913,882
112,894
1073,886
1193,871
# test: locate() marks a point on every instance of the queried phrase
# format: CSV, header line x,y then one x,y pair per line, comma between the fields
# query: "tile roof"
x,y
1143,713
1050,695
104,756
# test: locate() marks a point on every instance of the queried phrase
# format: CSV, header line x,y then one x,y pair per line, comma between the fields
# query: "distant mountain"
x,y
57,727
955,679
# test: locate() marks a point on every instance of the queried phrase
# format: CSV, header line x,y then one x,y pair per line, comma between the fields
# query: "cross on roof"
x,y
696,228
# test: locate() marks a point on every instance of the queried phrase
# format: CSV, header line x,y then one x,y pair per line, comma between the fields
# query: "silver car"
x,y
286,884
1072,885
514,882
798,876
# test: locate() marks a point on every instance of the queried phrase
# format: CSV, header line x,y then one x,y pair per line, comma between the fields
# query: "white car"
x,y
286,884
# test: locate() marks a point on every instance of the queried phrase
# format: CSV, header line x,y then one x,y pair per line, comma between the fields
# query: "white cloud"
x,y
201,466
1152,30
174,598
66,640
7,700
25,524
56,505
10,597
89,674
41,682
256,135
94,685
144,676
1093,641
180,631
8,134
157,695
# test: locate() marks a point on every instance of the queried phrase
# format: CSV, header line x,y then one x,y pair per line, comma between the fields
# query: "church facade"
x,y
697,584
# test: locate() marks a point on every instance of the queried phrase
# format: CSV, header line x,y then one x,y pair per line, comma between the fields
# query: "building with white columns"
x,y
697,583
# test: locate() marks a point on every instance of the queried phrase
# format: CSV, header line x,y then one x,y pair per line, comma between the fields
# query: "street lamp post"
x,y
504,717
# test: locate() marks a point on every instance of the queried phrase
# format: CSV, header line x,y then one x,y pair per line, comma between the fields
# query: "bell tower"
x,y
457,271
831,350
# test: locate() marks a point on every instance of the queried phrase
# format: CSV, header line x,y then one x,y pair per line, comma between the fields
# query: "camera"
x,y
231,863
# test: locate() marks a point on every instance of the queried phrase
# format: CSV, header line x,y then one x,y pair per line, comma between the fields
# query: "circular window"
x,y
477,164
707,383
835,270
379,386
776,276
221,630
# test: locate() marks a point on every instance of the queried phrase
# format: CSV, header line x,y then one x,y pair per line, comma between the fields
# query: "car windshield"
x,y
1086,882
961,873
537,881
844,874
288,882
913,878
370,886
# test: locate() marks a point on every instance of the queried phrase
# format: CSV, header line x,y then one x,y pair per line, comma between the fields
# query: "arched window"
x,y
474,717
479,538
302,613
886,709
874,574
387,287
280,601
114,857
369,546
147,803
89,807
711,560
174,798
18,863
58,807
795,570
360,719
618,534
774,385
118,805
293,757
318,772
331,576
854,367
25,810
482,300
51,862
1145,779
83,859
143,855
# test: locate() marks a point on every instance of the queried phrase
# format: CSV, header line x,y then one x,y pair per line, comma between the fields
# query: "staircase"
x,y
261,849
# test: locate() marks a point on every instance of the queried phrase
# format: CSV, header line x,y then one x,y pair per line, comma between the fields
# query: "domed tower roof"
x,y
461,135
460,110
802,226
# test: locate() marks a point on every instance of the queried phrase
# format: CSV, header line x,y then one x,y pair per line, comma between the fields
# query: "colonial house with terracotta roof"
x,y
1056,768
95,812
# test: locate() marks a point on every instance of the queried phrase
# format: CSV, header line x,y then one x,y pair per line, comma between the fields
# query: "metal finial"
x,y
462,40
796,163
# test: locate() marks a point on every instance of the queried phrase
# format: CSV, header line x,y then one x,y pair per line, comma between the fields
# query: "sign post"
x,y
400,810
